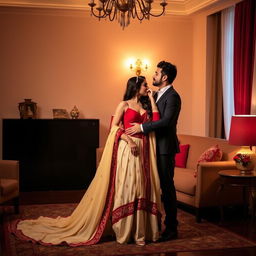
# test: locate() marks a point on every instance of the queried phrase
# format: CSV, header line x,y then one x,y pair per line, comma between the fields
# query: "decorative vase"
x,y
74,113
28,109
245,169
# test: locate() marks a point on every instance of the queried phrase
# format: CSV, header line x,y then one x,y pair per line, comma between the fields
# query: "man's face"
x,y
157,77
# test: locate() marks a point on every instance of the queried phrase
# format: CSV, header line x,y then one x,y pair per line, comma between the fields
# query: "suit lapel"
x,y
155,96
168,91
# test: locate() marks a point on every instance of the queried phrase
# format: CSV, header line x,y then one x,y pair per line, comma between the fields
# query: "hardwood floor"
x,y
233,221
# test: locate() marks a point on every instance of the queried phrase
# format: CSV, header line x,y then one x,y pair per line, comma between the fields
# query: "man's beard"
x,y
157,83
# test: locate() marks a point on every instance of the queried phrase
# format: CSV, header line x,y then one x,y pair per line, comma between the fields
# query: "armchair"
x,y
9,182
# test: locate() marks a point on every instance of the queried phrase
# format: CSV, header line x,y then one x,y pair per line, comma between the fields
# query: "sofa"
x,y
197,183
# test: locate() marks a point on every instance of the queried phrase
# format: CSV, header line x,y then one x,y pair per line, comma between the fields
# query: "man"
x,y
167,145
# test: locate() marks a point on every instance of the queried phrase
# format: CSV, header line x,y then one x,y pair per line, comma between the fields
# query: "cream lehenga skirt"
x,y
134,214
115,195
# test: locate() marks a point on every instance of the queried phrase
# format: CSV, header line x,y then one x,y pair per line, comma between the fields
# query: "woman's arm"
x,y
152,101
119,112
156,115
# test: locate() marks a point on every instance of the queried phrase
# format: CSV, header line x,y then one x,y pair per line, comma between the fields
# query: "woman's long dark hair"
x,y
132,88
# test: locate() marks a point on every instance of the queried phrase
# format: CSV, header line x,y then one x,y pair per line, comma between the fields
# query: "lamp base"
x,y
245,169
251,166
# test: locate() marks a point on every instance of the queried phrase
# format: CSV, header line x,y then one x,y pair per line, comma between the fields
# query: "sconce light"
x,y
138,66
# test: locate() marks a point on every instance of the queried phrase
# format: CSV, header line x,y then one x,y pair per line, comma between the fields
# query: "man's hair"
x,y
169,70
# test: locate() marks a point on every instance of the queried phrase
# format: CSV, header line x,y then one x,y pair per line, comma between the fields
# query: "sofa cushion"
x,y
185,181
213,153
181,157
7,186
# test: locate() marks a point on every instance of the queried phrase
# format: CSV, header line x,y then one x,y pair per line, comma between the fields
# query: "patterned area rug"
x,y
192,237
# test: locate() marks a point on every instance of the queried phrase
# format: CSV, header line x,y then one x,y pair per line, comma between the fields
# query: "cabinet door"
x,y
72,153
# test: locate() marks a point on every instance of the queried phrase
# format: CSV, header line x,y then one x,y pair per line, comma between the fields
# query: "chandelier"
x,y
124,10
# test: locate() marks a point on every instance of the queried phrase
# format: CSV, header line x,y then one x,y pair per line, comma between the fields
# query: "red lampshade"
x,y
243,130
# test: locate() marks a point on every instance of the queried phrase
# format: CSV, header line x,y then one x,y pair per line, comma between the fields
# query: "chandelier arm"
x,y
110,6
143,7
114,15
146,9
104,15
157,15
133,12
135,7
109,2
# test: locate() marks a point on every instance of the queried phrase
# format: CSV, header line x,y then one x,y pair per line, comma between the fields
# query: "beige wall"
x,y
64,58
198,97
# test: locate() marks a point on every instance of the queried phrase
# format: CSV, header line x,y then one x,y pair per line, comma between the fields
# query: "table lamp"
x,y
243,133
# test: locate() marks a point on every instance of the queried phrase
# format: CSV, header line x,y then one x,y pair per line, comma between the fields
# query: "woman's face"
x,y
144,88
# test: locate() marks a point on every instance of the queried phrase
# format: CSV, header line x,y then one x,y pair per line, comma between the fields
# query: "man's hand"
x,y
134,129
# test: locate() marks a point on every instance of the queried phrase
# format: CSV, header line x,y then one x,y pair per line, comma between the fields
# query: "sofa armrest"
x,y
208,184
9,169
218,164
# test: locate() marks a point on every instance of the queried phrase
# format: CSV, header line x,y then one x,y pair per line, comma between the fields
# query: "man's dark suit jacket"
x,y
169,106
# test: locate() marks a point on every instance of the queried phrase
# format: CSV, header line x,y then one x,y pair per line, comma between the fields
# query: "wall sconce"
x,y
138,66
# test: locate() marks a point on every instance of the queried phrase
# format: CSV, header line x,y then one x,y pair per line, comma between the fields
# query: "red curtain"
x,y
244,47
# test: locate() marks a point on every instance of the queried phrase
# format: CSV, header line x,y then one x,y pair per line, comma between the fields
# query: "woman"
x,y
125,189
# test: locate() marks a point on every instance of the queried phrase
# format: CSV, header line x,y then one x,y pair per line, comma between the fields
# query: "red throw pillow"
x,y
181,158
212,154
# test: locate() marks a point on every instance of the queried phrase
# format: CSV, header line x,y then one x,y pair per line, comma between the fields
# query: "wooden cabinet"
x,y
54,154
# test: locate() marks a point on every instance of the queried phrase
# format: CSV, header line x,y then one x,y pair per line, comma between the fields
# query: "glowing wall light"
x,y
138,65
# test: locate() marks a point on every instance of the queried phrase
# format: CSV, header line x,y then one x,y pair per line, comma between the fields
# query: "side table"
x,y
235,178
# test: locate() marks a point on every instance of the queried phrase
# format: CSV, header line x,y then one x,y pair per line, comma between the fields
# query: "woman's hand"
x,y
134,147
150,94
152,100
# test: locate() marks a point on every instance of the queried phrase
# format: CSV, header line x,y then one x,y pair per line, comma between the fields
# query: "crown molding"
x,y
55,4
174,7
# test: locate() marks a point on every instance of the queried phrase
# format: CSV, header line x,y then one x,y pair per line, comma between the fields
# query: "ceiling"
x,y
176,7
